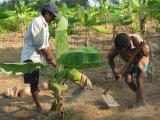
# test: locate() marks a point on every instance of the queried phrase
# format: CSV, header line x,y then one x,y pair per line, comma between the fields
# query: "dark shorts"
x,y
31,78
132,70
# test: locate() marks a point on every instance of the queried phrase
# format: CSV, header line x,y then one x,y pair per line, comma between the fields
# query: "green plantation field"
x,y
80,38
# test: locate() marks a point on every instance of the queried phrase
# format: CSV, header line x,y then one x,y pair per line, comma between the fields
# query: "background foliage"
x,y
16,14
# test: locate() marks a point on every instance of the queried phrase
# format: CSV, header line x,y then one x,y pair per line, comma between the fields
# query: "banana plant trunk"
x,y
142,26
114,30
88,37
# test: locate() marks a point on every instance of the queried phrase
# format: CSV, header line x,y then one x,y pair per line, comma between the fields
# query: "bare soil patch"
x,y
88,106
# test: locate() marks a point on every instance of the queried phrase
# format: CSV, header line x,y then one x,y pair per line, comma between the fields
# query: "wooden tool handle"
x,y
106,91
129,62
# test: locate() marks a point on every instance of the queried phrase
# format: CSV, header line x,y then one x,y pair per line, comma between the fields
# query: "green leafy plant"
x,y
117,17
141,10
158,28
7,21
89,18
24,12
18,18
68,61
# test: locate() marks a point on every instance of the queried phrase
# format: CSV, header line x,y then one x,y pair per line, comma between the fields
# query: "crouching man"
x,y
124,45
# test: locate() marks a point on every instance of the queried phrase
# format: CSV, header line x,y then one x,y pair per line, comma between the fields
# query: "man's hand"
x,y
117,74
145,48
53,62
49,56
141,44
144,51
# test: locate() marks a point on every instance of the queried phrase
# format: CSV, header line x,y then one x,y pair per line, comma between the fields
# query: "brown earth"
x,y
88,106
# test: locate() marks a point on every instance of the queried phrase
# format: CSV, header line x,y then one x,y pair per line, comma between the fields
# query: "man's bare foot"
x,y
140,104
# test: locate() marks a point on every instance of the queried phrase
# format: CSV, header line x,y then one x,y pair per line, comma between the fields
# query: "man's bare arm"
x,y
49,55
111,55
145,49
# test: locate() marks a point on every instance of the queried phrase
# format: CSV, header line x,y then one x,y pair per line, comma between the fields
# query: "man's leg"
x,y
35,95
130,83
33,80
35,90
140,88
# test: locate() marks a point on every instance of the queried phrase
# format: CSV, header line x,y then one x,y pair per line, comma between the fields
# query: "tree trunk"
x,y
114,30
142,26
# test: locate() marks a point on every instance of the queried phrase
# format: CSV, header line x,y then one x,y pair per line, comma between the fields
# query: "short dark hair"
x,y
43,12
122,40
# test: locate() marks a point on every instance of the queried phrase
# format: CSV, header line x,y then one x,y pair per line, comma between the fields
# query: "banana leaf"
x,y
61,42
101,29
56,87
19,68
73,20
61,36
74,75
7,14
157,28
60,73
83,57
126,20
62,24
136,3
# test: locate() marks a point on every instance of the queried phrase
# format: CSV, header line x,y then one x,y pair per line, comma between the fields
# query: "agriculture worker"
x,y
124,45
37,48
